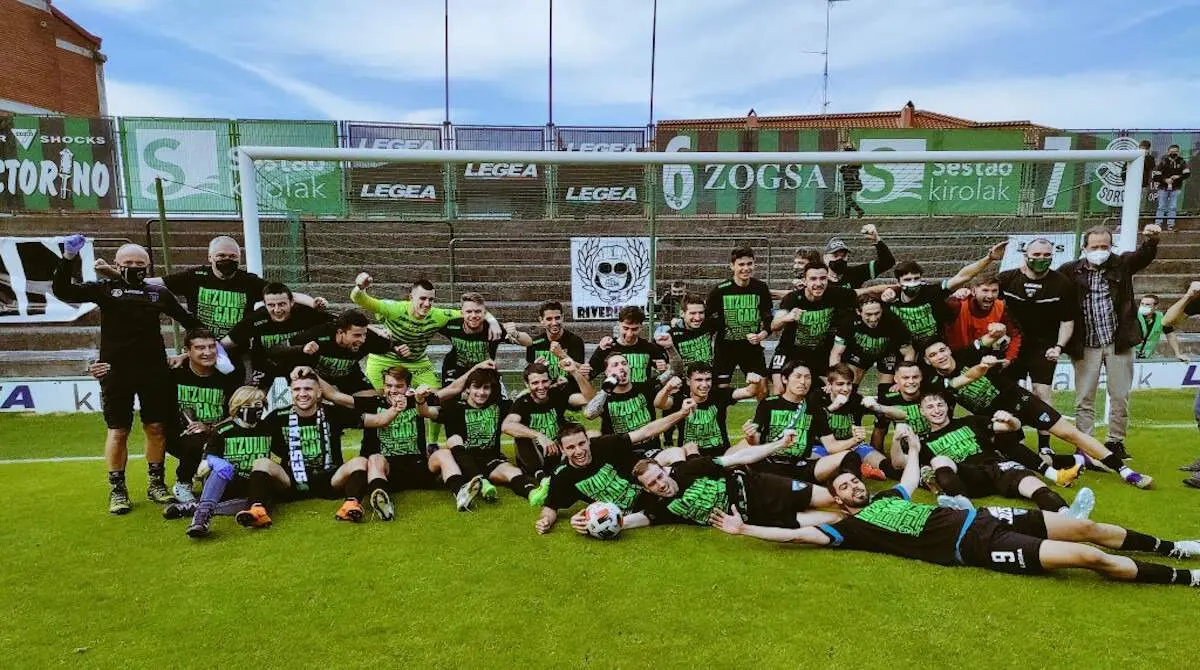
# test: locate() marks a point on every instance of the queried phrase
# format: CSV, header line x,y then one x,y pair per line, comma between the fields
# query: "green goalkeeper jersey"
x,y
405,327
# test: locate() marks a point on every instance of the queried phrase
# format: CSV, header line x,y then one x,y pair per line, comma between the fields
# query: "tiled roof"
x,y
920,119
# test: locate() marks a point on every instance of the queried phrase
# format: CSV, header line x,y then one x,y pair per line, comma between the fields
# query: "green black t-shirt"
x,y
467,349
703,485
542,417
241,446
640,355
912,408
479,427
217,303
319,444
959,440
894,524
333,361
839,423
571,343
605,479
628,411
404,436
773,415
259,333
693,344
738,311
884,339
925,315
706,426
823,319
203,399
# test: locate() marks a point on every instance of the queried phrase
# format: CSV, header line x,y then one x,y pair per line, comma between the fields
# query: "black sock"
x,y
521,485
1048,500
1043,441
455,482
158,472
890,471
116,479
356,485
1135,541
1113,462
377,484
1153,573
948,481
260,487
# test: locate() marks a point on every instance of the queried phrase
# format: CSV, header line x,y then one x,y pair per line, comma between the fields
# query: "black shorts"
x,y
352,383
1034,365
1031,522
410,472
486,460
1032,410
805,471
992,476
732,355
149,381
320,485
992,544
774,500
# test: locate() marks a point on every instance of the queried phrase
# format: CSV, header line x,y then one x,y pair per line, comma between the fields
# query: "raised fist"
x,y
311,348
362,281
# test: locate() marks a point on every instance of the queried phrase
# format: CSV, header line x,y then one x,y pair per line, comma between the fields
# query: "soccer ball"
x,y
603,520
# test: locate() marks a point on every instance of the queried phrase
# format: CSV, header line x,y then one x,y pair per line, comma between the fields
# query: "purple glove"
x,y
73,244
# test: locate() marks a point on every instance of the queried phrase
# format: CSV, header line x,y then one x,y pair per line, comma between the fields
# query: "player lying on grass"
x,y
397,454
688,491
990,391
598,469
962,453
1003,539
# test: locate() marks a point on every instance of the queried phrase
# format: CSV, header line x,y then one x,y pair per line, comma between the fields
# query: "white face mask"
x,y
1098,256
1145,309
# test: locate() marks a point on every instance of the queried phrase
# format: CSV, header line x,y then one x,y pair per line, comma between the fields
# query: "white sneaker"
x,y
1083,504
1185,549
467,494
182,493
1195,577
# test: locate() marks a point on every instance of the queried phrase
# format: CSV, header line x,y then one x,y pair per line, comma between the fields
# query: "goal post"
x,y
1131,159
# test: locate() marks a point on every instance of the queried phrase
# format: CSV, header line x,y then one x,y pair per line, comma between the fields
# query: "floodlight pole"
x,y
252,240
1131,205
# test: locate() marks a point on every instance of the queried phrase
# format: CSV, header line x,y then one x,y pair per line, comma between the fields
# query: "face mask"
x,y
133,276
1145,310
839,265
226,267
1039,265
1098,256
912,290
249,414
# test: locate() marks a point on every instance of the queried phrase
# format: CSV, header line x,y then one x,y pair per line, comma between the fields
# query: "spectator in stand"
x,y
1147,170
979,311
1152,326
851,183
1104,283
1170,174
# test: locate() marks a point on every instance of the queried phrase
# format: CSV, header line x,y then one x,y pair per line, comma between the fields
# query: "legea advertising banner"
x,y
501,190
58,163
599,190
395,189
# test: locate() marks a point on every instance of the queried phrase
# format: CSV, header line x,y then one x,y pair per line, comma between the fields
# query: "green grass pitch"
x,y
436,588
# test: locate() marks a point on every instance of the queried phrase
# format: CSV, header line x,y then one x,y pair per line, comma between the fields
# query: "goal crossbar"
x,y
246,155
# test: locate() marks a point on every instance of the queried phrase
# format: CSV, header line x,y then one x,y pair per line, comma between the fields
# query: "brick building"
x,y
907,116
51,65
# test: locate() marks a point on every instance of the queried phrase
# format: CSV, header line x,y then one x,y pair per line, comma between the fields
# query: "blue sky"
x,y
1066,63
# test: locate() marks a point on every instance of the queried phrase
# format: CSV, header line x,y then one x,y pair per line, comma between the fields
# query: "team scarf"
x,y
296,454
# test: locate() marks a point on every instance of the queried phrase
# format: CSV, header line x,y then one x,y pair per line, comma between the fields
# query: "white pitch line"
x,y
58,459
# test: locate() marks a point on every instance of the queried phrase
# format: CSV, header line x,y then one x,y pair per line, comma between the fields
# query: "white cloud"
x,y
322,100
127,98
1096,99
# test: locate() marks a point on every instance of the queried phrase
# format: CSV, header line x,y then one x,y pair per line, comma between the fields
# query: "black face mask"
x,y
226,267
839,265
249,414
133,276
